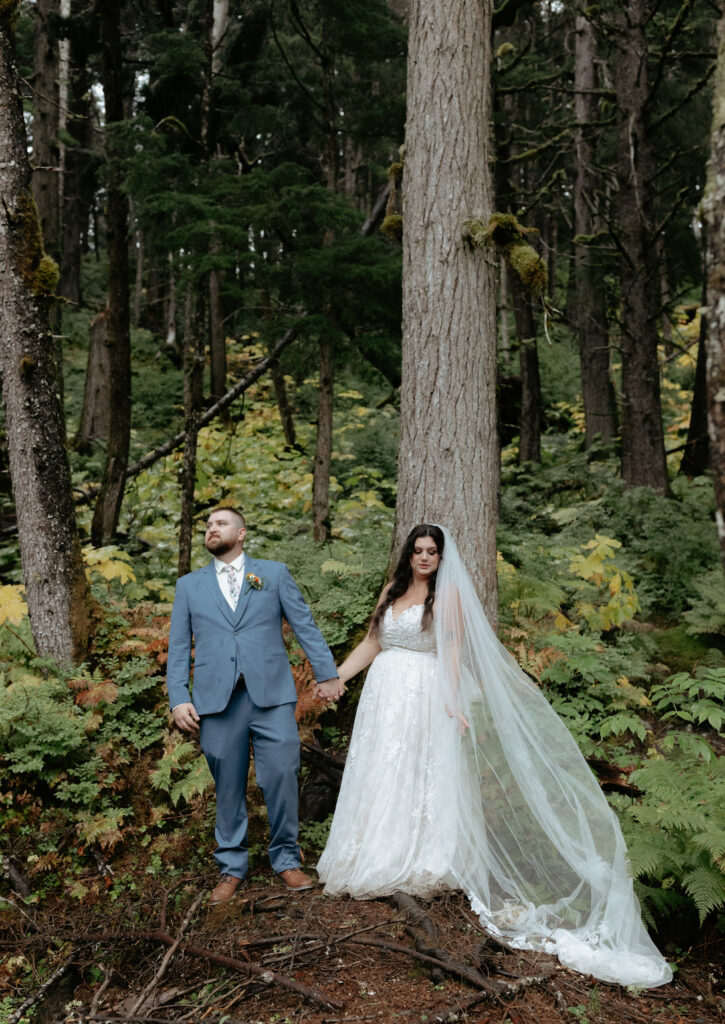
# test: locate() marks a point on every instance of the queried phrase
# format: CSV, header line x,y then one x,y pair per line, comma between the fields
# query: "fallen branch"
x,y
245,966
452,1013
167,957
451,966
39,993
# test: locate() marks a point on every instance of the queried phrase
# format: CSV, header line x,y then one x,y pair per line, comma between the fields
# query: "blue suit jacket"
x,y
248,639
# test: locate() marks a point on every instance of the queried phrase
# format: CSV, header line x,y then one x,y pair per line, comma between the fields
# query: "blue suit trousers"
x,y
226,738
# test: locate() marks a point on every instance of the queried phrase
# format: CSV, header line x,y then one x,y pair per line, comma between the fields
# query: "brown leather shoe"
x,y
228,885
296,880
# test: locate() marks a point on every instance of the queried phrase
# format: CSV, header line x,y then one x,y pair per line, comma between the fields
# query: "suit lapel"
x,y
212,585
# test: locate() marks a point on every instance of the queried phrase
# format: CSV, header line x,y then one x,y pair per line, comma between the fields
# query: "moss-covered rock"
x,y
392,227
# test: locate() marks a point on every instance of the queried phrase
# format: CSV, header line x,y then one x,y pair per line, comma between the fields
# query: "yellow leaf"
x,y
12,604
615,584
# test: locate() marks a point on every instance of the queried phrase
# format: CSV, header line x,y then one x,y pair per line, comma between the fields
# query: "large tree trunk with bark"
x,y
643,448
55,580
715,220
600,411
448,459
108,505
696,457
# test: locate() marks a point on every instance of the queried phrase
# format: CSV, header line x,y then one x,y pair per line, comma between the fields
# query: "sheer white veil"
x,y
540,853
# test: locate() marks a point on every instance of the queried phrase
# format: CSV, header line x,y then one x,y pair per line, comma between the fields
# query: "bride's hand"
x,y
462,721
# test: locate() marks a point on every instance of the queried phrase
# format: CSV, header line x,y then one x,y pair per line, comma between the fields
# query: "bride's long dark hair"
x,y
403,575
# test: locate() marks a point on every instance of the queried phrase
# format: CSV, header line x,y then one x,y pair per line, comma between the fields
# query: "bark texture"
x,y
715,220
592,329
108,505
55,581
643,449
45,125
448,459
94,424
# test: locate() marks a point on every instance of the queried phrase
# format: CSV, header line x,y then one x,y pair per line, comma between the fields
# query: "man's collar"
x,y
238,563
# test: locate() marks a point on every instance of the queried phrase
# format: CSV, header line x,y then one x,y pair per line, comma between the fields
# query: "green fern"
x,y
706,885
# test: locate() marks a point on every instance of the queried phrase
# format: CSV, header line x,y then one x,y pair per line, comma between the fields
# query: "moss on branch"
x,y
505,234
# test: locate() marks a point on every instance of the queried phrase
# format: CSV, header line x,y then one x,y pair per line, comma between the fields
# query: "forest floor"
x,y
162,956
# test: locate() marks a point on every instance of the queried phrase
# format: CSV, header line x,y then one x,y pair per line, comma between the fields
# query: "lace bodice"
x,y
404,631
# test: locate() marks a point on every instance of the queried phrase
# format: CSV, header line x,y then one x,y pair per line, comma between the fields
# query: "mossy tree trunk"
x,y
643,449
600,410
715,220
448,458
55,581
45,124
696,457
108,504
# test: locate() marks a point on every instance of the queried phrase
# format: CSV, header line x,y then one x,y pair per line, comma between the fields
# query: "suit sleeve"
x,y
178,664
299,616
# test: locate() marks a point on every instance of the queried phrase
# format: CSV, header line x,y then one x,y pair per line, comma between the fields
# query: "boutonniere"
x,y
254,581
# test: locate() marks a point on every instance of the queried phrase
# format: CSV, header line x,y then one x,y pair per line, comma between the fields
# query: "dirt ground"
x,y
270,957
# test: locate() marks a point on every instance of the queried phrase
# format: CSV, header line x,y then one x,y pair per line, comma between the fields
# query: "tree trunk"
x,y
108,505
696,458
94,424
55,580
45,125
448,458
323,448
503,311
80,166
194,336
643,449
600,411
531,401
714,208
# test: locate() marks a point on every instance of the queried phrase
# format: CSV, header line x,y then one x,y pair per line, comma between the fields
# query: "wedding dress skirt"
x,y
508,812
394,827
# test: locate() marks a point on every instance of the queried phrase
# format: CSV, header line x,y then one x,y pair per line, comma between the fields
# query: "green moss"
x,y
504,233
505,50
395,172
46,276
38,270
392,227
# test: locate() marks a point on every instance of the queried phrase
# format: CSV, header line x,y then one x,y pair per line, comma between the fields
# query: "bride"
x,y
460,775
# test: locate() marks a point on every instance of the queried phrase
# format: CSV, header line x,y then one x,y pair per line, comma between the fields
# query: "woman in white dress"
x,y
460,775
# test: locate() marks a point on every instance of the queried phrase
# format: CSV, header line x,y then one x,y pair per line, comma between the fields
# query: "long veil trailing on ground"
x,y
540,853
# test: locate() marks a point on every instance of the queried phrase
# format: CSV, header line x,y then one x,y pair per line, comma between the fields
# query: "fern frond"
x,y
706,885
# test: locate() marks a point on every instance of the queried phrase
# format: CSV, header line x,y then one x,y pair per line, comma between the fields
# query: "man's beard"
x,y
219,546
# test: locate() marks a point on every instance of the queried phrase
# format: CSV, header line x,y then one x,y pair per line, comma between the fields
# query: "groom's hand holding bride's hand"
x,y
329,689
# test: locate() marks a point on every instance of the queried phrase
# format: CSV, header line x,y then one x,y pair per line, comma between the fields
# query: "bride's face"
x,y
425,558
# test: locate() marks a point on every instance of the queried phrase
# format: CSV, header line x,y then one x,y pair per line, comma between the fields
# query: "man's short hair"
x,y
233,511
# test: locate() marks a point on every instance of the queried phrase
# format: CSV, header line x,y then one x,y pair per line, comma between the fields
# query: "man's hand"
x,y
186,718
329,689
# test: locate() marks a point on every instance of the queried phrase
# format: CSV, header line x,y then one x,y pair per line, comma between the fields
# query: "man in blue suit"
x,y
243,691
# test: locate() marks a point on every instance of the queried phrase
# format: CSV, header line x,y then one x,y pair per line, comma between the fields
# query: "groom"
x,y
243,691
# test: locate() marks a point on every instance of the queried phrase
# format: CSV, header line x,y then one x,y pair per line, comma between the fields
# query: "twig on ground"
x,y
167,957
39,993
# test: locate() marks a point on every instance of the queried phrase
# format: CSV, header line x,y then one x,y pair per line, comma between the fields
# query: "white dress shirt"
x,y
223,576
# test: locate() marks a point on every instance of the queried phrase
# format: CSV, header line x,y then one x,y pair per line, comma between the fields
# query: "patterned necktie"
x,y
234,584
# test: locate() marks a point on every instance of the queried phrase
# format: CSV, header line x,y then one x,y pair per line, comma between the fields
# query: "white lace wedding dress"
x,y
509,812
395,824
